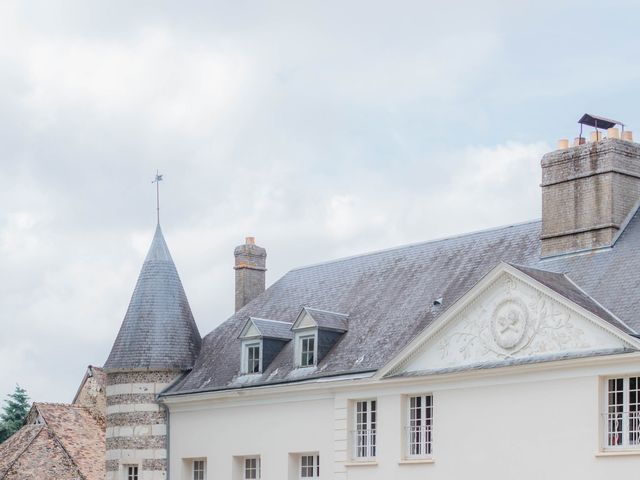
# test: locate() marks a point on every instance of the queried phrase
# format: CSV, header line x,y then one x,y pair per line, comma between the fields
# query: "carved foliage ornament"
x,y
510,320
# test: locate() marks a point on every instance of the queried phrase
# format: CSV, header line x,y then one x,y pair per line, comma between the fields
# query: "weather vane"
x,y
157,181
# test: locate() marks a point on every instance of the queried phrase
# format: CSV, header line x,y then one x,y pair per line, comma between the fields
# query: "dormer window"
x,y
316,332
253,357
262,340
308,350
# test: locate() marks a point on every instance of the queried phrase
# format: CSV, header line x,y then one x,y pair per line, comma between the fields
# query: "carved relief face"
x,y
509,323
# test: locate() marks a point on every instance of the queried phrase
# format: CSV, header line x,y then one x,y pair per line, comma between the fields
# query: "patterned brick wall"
x,y
136,424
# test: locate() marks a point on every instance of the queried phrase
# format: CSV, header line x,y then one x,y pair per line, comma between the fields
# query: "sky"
x,y
323,128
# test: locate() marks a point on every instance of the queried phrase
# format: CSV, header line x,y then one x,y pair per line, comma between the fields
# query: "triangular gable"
x,y
510,317
249,330
304,320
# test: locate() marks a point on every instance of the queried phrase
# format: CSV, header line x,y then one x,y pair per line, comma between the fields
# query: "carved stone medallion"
x,y
509,323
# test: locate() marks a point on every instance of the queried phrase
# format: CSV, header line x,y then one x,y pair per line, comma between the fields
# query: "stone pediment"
x,y
508,316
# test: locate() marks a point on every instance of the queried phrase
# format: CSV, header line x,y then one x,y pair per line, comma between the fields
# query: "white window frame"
x,y
246,345
194,471
364,435
128,475
315,465
419,426
245,468
621,416
306,338
299,338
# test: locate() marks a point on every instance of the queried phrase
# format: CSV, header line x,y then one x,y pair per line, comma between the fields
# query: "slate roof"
x,y
69,445
158,330
389,297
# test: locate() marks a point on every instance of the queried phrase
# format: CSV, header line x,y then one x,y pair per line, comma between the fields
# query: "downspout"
x,y
164,406
167,437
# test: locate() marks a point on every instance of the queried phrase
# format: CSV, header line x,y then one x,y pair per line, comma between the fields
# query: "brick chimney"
x,y
588,192
250,267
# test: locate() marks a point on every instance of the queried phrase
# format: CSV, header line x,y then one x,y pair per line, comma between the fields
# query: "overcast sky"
x,y
323,128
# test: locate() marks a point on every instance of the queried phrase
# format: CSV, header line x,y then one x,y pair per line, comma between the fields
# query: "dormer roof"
x,y
158,331
264,328
321,319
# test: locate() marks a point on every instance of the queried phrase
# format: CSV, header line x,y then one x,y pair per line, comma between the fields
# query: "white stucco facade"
x,y
501,410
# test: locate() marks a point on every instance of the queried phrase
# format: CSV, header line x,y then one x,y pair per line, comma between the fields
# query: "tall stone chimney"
x,y
588,192
250,267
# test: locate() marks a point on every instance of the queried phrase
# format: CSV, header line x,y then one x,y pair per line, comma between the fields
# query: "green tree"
x,y
14,412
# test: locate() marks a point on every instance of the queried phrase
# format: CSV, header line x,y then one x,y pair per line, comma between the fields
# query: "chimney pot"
x,y
250,240
613,133
627,135
563,143
579,141
595,136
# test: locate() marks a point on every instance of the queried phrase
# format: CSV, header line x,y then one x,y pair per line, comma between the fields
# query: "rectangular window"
x,y
365,433
251,468
622,418
253,358
307,351
199,470
131,472
420,426
310,466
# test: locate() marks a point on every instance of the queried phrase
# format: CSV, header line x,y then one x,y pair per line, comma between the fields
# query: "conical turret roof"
x,y
158,331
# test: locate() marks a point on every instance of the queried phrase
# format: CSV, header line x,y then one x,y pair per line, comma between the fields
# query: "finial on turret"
x,y
157,181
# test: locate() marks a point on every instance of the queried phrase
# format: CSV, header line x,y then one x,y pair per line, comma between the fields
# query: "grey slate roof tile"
x,y
389,298
158,330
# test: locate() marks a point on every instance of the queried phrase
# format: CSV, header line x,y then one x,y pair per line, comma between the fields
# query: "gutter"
x,y
316,379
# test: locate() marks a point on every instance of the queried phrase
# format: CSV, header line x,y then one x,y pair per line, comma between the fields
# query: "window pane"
x,y
132,472
419,435
307,351
634,411
198,470
253,359
251,468
365,434
615,412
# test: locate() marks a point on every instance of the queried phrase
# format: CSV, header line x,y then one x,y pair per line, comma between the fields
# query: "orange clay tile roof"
x,y
70,445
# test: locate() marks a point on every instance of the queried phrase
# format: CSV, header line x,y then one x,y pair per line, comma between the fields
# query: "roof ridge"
x,y
269,320
417,244
327,311
59,404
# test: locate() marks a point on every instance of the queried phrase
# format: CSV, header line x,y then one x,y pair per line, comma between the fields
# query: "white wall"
x,y
273,431
533,422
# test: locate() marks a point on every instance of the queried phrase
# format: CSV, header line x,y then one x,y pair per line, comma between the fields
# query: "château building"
x,y
507,353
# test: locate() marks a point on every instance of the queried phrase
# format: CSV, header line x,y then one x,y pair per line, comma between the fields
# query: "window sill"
x,y
618,453
416,461
364,463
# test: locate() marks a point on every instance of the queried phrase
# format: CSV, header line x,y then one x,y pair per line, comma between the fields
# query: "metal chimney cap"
x,y
598,122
